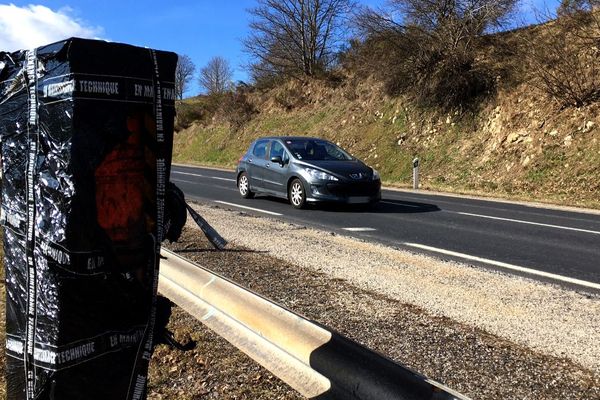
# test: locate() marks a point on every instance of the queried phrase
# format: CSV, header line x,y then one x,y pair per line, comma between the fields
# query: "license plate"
x,y
360,199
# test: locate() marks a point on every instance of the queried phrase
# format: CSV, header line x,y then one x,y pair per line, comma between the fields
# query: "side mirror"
x,y
277,159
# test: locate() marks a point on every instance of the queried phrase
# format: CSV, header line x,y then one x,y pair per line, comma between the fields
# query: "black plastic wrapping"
x,y
87,130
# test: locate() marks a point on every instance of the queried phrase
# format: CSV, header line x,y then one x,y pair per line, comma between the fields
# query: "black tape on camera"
x,y
87,131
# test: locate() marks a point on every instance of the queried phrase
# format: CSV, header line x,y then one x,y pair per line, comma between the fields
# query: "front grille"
x,y
354,188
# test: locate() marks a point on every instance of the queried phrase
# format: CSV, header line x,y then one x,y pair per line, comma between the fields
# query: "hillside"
x,y
518,143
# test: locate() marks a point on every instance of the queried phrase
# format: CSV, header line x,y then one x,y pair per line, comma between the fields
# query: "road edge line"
x,y
512,267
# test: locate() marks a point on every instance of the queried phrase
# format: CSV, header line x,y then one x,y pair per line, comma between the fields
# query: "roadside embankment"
x,y
519,145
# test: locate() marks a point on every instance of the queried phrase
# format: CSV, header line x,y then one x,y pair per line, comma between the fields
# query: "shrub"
x,y
236,109
566,64
429,47
187,114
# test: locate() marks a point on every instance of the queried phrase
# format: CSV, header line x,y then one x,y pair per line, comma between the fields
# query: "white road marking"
x,y
506,266
188,173
182,180
195,183
204,176
248,208
399,204
359,229
529,222
223,179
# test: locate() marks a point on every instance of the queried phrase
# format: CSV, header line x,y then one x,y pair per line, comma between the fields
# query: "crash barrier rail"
x,y
314,360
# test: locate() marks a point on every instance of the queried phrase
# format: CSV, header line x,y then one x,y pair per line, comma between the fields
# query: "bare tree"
x,y
183,74
567,62
437,41
451,22
574,7
582,17
215,77
295,37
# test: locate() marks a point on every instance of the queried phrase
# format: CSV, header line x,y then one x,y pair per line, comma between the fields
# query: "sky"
x,y
201,29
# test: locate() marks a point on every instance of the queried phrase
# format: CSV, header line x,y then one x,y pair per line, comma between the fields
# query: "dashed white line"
x,y
187,173
204,176
223,179
506,265
248,208
182,180
359,229
195,183
528,222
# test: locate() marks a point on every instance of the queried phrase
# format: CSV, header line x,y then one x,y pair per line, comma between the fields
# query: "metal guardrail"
x,y
314,360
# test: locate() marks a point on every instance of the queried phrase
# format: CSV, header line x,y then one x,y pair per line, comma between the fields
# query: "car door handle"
x,y
268,165
249,160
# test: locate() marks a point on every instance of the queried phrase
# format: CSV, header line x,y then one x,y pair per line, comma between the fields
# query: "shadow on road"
x,y
385,206
402,207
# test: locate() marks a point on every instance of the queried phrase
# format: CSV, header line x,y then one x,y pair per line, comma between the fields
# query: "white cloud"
x,y
35,25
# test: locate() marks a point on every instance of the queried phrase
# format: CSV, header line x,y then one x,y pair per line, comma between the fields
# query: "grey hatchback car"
x,y
306,170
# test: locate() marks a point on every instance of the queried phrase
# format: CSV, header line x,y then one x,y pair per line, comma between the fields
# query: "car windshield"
x,y
317,150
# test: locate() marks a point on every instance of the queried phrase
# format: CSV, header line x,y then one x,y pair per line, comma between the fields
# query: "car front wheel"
x,y
244,186
296,194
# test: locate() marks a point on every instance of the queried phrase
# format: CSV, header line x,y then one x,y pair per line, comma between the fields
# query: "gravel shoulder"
x,y
487,335
543,317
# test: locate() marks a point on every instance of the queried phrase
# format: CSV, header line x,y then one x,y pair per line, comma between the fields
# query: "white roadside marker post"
x,y
416,173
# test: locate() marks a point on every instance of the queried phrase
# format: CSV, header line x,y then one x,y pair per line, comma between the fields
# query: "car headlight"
x,y
376,175
319,175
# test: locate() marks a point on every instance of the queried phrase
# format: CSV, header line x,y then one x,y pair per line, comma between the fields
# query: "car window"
x,y
260,149
276,150
314,149
335,153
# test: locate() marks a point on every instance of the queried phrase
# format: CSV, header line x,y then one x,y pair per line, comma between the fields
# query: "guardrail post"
x,y
416,173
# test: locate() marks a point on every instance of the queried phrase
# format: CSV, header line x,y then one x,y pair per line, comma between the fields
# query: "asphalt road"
x,y
562,247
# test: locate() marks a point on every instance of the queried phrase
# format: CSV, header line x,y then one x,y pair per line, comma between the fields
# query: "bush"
x,y
566,64
431,74
450,80
200,109
236,109
567,72
428,48
188,114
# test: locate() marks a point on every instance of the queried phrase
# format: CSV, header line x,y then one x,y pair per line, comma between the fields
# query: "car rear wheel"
x,y
296,194
244,186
